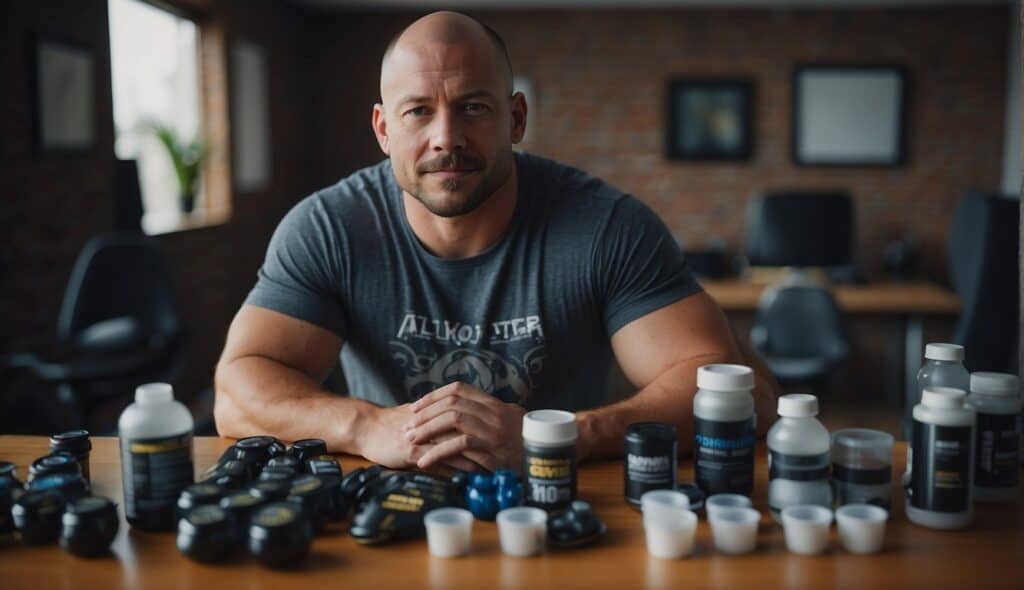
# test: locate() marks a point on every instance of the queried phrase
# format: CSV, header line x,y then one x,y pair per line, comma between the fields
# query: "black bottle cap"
x,y
277,474
75,442
277,449
308,448
273,490
230,476
204,534
323,464
338,503
280,535
694,493
53,463
641,432
70,486
198,494
37,516
309,492
239,507
575,526
255,449
286,461
89,526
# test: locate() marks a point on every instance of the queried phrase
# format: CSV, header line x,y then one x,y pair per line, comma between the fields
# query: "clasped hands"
x,y
454,427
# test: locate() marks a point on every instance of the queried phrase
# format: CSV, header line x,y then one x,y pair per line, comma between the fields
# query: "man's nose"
x,y
447,134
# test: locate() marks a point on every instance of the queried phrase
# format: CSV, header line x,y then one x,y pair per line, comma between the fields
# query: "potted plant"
x,y
187,159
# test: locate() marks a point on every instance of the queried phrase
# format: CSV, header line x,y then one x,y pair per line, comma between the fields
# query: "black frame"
x,y
903,114
677,86
37,42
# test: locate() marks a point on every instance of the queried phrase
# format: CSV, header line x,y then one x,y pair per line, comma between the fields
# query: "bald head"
x,y
449,28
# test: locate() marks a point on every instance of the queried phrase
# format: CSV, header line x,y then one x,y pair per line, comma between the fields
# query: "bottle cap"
x,y
549,427
74,441
52,464
69,485
942,351
272,490
798,405
994,384
37,515
89,526
943,397
640,432
723,377
308,448
280,535
154,393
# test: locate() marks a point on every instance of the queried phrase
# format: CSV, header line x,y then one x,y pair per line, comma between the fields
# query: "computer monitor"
x,y
800,228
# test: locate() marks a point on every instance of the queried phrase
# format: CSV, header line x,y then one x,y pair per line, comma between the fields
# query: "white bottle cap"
x,y
941,351
552,427
725,377
798,405
994,383
154,393
943,397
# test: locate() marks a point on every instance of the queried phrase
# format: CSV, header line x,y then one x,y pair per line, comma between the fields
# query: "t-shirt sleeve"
x,y
639,266
301,275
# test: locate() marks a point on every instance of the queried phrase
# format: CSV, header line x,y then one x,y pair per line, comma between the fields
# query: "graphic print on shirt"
x,y
502,358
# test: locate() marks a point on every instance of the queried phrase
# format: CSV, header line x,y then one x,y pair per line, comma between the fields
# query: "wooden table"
x,y
990,555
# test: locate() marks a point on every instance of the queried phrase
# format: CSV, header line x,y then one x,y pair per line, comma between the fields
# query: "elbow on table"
x,y
227,415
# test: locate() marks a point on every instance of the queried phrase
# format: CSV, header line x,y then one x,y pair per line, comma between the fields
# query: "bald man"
x,y
464,284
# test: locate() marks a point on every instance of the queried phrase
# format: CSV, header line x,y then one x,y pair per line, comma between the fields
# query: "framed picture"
x,y
64,86
849,115
710,119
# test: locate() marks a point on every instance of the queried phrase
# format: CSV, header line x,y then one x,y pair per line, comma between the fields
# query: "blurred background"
x,y
843,174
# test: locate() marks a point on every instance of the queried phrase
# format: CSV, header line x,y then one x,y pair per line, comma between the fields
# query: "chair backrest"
x,y
801,321
984,243
119,275
800,228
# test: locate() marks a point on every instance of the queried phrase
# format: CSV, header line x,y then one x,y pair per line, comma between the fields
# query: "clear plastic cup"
x,y
449,531
719,501
861,527
522,531
734,529
663,504
862,466
671,537
806,528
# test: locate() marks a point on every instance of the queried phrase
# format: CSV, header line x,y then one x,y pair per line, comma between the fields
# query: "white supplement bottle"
x,y
943,367
156,456
723,428
994,397
939,493
549,459
798,456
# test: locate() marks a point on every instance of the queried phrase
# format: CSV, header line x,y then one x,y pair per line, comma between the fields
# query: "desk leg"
x,y
913,349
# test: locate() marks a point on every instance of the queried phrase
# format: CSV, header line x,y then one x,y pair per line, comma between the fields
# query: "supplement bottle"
x,y
156,456
723,426
941,460
650,459
995,399
798,456
943,367
549,458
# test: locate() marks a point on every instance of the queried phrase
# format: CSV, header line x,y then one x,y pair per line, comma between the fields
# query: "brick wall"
x,y
599,78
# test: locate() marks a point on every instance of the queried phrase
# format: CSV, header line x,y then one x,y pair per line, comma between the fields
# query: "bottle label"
x,y
940,471
550,475
997,449
154,471
654,471
797,467
724,456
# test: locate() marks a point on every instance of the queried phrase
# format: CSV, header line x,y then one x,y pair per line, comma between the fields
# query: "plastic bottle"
x,y
549,458
995,398
798,456
156,456
723,427
943,367
939,493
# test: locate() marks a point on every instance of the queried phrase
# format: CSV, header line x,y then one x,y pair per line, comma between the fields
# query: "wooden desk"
x,y
990,555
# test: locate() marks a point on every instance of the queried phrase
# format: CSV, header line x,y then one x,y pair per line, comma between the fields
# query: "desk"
x,y
987,556
909,301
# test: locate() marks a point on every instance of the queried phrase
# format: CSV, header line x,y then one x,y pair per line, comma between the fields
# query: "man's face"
x,y
447,123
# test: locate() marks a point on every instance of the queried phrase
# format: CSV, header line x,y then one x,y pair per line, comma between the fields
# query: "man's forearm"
x,y
257,395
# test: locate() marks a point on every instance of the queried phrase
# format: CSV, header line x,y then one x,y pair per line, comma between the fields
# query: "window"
x,y
155,75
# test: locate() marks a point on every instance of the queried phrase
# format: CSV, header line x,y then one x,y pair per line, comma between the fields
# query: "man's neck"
x,y
465,235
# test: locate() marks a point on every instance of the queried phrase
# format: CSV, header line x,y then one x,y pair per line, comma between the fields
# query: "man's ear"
x,y
518,117
380,127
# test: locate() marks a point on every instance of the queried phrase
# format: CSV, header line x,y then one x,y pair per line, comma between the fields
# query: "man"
x,y
463,284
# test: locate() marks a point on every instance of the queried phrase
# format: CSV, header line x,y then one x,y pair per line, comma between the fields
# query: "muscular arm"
x,y
659,353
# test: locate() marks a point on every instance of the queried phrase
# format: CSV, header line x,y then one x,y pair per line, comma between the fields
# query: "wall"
x,y
52,204
599,79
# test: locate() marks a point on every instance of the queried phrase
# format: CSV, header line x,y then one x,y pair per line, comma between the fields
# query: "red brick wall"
x,y
599,78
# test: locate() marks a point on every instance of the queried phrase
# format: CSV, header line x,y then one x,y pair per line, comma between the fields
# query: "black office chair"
x,y
799,332
983,260
118,327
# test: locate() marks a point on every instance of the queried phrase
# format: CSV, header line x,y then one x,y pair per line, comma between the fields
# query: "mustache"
x,y
453,161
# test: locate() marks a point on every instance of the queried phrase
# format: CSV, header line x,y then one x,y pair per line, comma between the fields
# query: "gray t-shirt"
x,y
527,320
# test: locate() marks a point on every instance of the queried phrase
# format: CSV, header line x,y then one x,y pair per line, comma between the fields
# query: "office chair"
x,y
983,254
118,327
799,332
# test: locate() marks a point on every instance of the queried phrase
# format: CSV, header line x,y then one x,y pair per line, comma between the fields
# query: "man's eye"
x,y
416,111
476,108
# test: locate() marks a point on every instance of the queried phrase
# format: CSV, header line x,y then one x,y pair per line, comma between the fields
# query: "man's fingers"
x,y
452,420
443,450
449,404
461,463
433,396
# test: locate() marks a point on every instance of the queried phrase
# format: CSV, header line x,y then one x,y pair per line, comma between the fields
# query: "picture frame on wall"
x,y
710,119
849,115
64,88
